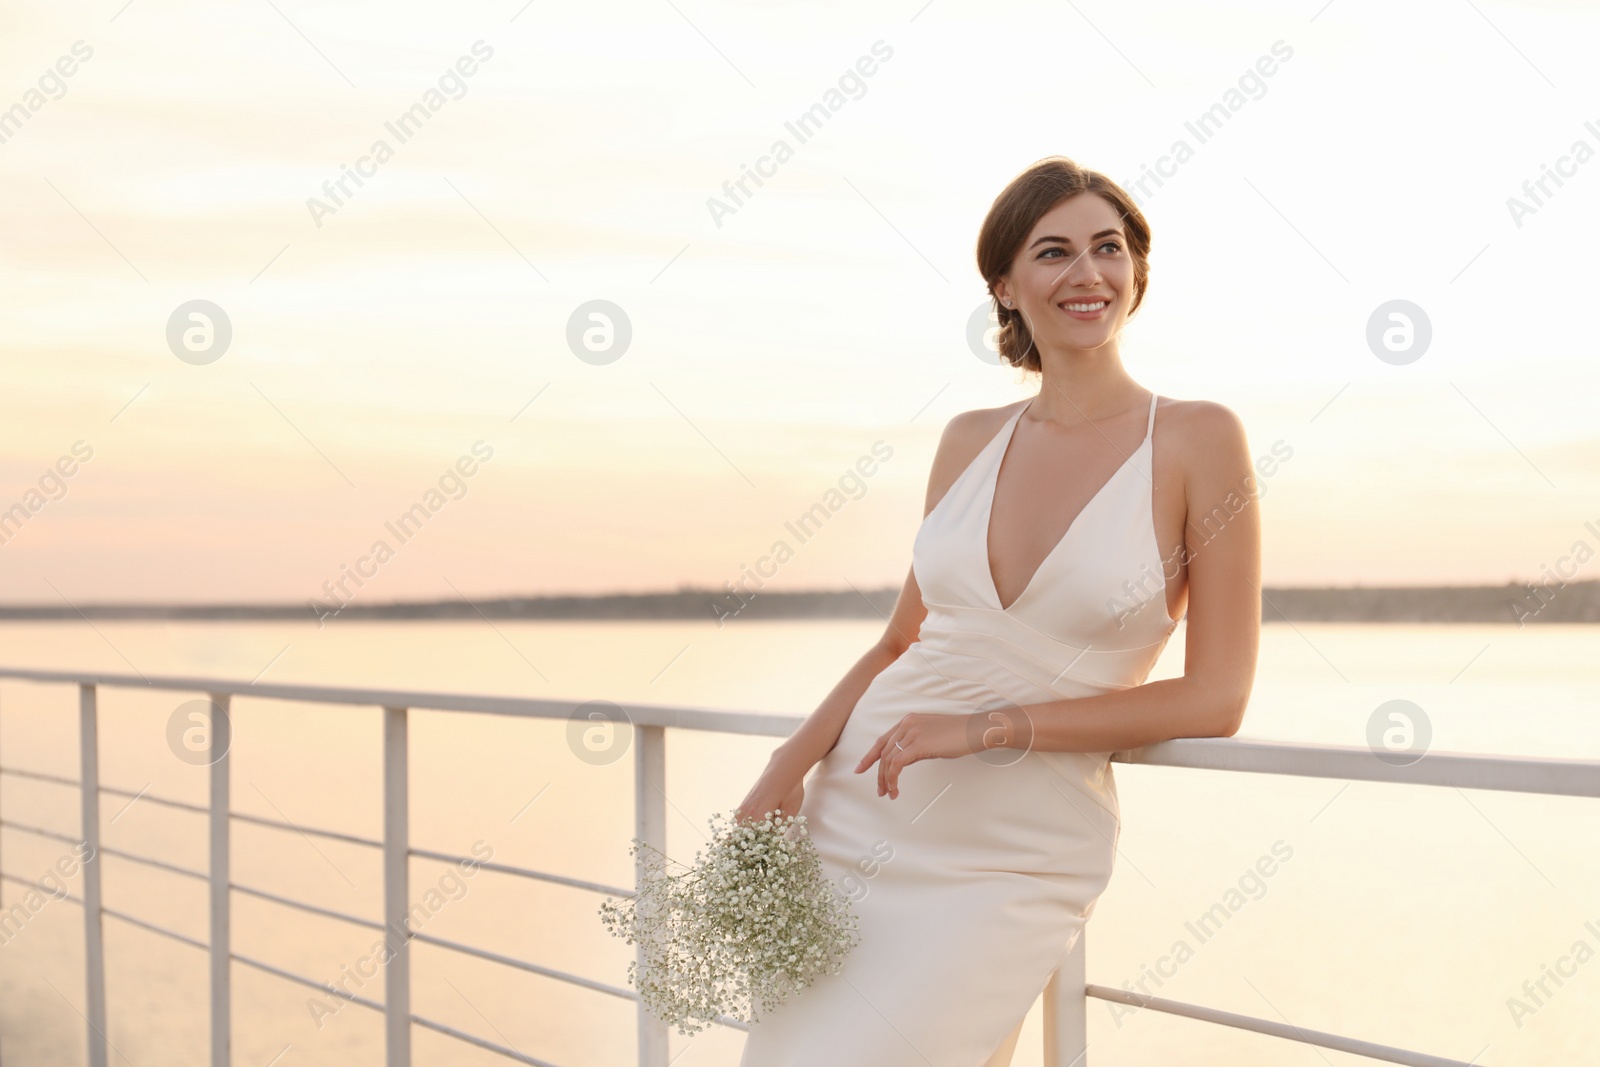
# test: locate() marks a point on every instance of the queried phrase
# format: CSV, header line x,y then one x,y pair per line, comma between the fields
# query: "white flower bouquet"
x,y
752,922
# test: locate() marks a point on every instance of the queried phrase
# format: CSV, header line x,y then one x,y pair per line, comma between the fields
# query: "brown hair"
x,y
1012,217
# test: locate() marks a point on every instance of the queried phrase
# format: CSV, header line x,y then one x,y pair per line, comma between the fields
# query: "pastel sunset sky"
x,y
377,336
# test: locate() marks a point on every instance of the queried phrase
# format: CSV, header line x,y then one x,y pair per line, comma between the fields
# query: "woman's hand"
x,y
781,787
921,736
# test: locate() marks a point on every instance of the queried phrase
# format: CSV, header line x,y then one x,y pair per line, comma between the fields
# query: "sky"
x,y
437,314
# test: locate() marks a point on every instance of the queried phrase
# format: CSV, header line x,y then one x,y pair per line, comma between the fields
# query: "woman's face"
x,y
1076,255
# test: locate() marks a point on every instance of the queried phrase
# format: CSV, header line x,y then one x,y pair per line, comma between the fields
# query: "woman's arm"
x,y
779,787
1224,620
1223,635
816,736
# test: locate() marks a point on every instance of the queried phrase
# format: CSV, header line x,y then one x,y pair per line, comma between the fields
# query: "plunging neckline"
x,y
994,486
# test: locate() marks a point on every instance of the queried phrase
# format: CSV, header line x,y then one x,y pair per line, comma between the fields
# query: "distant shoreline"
x,y
1521,603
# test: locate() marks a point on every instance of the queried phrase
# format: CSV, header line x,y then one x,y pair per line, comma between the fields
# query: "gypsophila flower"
x,y
754,921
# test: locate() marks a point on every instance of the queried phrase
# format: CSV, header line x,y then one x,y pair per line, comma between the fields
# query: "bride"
x,y
961,794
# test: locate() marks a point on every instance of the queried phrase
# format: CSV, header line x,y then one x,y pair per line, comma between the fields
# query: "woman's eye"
x,y
1113,245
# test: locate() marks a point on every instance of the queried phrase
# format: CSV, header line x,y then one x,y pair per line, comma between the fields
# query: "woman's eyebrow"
x,y
1068,241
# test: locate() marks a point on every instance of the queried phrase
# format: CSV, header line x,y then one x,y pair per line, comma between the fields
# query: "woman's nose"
x,y
1081,272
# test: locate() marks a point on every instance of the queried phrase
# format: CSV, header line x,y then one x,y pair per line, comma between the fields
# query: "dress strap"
x,y
1150,426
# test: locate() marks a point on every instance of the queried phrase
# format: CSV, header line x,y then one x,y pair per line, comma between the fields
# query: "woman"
x,y
963,799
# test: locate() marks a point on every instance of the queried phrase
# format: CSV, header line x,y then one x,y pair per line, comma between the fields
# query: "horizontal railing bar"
x,y
1517,774
1369,1049
461,1035
159,864
326,913
109,789
524,965
763,724
1523,774
105,850
153,928
320,987
258,820
124,916
39,776
181,805
332,835
40,831
524,872
46,890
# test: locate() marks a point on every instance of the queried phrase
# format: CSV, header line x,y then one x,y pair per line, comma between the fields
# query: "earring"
x,y
1008,303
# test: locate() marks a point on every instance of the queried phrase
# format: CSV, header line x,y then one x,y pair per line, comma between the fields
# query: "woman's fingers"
x,y
893,751
889,751
891,773
754,809
896,755
885,753
872,753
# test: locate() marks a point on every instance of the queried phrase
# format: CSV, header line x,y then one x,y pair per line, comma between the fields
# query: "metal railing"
x,y
1065,996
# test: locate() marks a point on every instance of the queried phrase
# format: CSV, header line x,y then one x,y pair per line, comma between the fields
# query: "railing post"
x,y
1066,1011
396,892
650,826
94,949
221,868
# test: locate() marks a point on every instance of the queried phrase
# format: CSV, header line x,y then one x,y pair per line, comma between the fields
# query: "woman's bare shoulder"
x,y
1198,420
1201,434
964,436
967,426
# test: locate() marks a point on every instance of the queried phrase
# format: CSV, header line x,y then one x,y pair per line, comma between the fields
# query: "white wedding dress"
x,y
973,884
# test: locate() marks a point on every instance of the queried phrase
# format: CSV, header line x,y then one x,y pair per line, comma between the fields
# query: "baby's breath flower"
x,y
754,920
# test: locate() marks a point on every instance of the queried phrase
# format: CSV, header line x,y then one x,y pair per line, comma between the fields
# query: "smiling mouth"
x,y
1083,307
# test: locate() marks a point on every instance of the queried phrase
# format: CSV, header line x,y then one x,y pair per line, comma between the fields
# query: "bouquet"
x,y
752,922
